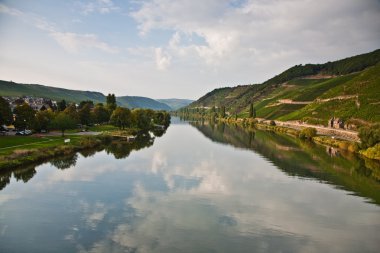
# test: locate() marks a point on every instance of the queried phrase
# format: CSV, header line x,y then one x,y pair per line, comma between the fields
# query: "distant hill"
x,y
36,90
348,88
142,102
175,103
54,93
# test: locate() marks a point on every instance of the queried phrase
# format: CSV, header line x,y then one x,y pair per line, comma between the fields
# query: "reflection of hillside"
x,y
303,159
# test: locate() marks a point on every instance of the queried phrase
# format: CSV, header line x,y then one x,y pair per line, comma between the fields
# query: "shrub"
x,y
372,152
369,136
308,133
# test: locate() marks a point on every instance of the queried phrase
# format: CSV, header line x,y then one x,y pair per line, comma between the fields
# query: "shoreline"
x,y
329,137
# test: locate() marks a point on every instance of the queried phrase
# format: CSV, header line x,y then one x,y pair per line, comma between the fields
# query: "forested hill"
x,y
336,68
142,102
348,88
54,93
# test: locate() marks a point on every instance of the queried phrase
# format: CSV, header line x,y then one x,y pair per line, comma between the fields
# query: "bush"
x,y
308,133
369,136
372,152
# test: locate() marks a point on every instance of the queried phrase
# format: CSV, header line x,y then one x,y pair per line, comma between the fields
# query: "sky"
x,y
182,48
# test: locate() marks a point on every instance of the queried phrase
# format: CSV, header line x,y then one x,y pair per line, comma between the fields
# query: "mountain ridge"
x,y
9,88
311,93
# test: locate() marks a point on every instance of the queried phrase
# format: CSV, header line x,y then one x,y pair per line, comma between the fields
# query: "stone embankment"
x,y
340,133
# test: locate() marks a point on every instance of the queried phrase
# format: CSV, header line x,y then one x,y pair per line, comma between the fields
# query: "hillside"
x,y
176,103
54,93
142,102
348,88
36,90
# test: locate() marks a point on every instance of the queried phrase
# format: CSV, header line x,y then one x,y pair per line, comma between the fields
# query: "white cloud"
x,y
99,6
10,11
257,32
73,42
163,59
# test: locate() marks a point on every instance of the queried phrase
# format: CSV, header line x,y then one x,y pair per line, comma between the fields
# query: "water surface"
x,y
198,188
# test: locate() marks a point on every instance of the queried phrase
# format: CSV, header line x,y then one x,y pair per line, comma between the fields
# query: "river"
x,y
200,187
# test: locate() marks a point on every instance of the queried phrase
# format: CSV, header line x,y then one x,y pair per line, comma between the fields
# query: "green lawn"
x,y
101,128
10,143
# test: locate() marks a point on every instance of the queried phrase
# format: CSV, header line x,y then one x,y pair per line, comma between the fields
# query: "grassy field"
x,y
10,143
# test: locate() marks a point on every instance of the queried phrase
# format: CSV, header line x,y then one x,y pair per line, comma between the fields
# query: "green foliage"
x,y
121,117
369,136
372,152
251,111
24,116
43,120
143,118
71,110
85,116
86,102
308,133
61,105
111,102
63,121
100,114
5,112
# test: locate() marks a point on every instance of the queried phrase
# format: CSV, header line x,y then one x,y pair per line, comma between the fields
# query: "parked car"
x,y
20,133
4,128
24,132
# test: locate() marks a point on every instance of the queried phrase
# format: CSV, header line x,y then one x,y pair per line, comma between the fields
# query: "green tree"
x,y
85,102
71,110
251,110
63,122
223,112
121,117
25,116
308,133
111,102
85,116
143,118
369,135
101,114
6,116
62,105
43,120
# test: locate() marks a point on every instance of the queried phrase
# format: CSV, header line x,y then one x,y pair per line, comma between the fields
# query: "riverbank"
x,y
336,138
17,151
42,151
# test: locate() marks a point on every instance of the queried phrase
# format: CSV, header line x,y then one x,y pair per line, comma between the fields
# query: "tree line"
x,y
69,116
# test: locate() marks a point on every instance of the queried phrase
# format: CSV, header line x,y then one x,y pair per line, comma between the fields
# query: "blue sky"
x,y
183,48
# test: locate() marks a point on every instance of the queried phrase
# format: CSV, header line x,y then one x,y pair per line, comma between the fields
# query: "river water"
x,y
200,187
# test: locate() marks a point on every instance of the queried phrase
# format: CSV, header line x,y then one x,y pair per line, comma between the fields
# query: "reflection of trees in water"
x,y
122,148
5,179
159,132
64,162
302,158
25,174
119,148
90,152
